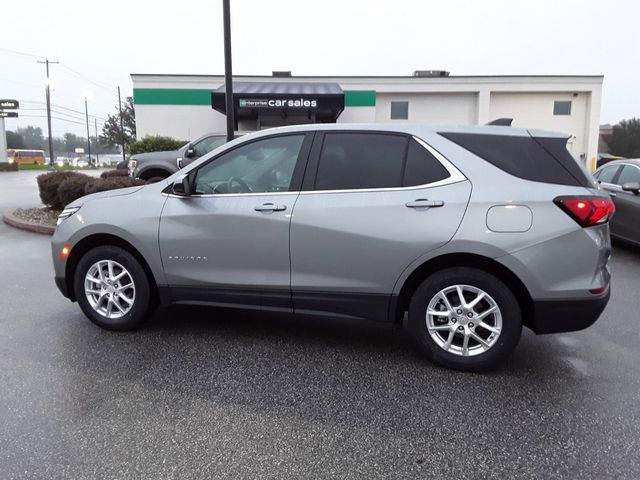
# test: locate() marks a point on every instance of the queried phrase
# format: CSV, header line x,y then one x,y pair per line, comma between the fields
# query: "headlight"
x,y
66,213
132,165
10,160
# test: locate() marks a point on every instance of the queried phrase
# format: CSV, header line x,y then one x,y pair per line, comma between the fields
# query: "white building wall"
x,y
431,108
432,100
184,122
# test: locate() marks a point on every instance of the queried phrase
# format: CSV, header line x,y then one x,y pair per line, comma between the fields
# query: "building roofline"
x,y
276,79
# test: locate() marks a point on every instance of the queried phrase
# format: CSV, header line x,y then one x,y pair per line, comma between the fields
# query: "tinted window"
x,y
262,166
360,160
422,167
399,110
537,159
607,173
562,107
629,174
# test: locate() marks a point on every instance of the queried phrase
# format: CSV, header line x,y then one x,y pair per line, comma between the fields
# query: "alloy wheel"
x,y
110,289
464,320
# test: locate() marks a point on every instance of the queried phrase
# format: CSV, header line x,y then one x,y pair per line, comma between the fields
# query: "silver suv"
x,y
465,234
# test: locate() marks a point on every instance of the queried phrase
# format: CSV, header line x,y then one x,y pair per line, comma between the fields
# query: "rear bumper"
x,y
567,315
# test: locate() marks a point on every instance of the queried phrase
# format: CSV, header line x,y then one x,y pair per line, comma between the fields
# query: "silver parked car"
x,y
469,233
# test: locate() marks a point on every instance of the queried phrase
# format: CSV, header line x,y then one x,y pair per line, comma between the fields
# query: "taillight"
x,y
587,211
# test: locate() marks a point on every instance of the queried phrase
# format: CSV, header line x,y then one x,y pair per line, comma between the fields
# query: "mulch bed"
x,y
44,216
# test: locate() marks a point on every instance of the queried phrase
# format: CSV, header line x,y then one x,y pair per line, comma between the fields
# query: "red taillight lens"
x,y
587,211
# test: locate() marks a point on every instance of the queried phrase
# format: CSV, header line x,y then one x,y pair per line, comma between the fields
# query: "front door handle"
x,y
424,203
613,194
270,207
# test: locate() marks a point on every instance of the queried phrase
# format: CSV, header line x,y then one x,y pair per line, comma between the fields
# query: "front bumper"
x,y
555,316
61,283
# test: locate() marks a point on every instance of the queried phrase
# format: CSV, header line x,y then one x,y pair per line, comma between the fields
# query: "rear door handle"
x,y
424,203
270,207
613,194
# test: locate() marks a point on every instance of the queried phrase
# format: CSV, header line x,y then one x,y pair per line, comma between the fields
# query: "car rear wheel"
x,y
112,288
465,319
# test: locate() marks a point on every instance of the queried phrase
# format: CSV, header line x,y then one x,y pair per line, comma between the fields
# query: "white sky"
x,y
106,41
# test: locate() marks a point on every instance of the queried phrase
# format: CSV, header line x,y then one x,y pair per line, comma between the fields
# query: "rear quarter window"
x,y
539,159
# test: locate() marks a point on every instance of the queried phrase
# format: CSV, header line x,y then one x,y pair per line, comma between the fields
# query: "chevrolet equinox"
x,y
468,233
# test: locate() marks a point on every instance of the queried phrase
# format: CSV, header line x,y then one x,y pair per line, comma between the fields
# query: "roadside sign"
x,y
10,104
8,114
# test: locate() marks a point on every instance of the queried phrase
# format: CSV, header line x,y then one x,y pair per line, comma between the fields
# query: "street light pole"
x,y
95,124
124,158
228,77
48,95
86,113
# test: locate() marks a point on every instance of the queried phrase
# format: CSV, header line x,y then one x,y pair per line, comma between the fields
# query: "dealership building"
x,y
188,106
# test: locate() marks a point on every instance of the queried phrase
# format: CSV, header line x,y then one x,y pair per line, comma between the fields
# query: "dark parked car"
x,y
621,179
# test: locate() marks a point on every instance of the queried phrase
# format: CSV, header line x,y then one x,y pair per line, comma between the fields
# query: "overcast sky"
x,y
99,44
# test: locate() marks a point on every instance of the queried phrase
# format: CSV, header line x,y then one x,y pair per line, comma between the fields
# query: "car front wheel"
x,y
465,319
112,288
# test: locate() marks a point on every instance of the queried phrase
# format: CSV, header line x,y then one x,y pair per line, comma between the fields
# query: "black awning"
x,y
324,100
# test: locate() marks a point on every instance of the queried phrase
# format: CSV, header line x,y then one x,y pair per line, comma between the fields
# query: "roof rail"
x,y
501,122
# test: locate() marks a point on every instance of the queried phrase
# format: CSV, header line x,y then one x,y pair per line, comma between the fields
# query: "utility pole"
x,y
86,113
124,158
228,77
47,62
95,124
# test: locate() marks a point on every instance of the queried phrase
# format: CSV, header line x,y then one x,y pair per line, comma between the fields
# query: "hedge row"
x,y
58,189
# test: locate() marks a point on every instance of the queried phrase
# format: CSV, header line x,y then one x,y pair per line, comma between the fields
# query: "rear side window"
x,y
360,160
539,159
422,167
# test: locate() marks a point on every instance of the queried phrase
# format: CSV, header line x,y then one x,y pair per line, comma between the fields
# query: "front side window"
x,y
262,166
629,174
607,173
360,160
208,144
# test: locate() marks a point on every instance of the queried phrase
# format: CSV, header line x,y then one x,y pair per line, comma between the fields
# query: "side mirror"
x,y
182,186
190,152
633,187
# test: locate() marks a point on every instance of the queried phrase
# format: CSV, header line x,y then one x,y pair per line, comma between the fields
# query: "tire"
x,y
135,312
503,325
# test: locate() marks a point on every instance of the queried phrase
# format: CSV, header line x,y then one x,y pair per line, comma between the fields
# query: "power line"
x,y
95,82
75,113
15,52
55,118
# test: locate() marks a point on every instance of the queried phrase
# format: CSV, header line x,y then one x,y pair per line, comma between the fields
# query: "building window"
x,y
562,107
399,110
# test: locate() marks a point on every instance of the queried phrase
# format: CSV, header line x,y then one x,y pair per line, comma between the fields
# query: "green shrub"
x,y
155,144
73,188
112,183
48,184
114,173
8,167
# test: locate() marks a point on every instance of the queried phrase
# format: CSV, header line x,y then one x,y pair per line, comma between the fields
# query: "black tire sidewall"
x,y
506,301
141,305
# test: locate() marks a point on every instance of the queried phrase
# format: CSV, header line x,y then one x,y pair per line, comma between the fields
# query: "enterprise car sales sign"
x,y
10,104
8,114
277,103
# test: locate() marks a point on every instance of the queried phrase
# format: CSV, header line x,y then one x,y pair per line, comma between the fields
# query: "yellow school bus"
x,y
26,156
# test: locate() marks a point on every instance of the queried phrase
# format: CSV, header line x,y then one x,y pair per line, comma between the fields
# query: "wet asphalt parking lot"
x,y
203,393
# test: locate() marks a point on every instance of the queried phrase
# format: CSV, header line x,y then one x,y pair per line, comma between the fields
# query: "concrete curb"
x,y
16,222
